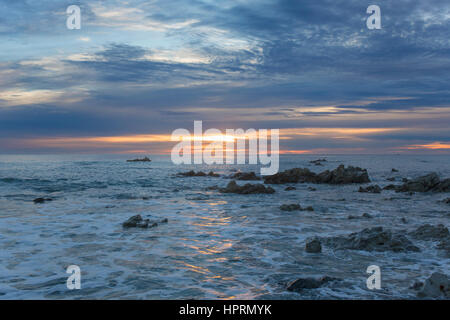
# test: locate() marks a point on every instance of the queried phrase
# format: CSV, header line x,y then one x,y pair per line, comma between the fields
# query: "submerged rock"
x,y
364,215
309,283
290,188
137,222
42,200
290,207
372,239
436,286
370,189
340,175
248,188
192,173
245,176
313,245
429,232
145,159
394,170
295,207
447,201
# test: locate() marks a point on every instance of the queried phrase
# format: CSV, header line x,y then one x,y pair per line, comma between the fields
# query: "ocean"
x,y
214,246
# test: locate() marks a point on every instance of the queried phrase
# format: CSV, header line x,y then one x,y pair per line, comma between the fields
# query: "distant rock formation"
x,y
192,173
145,159
245,176
340,175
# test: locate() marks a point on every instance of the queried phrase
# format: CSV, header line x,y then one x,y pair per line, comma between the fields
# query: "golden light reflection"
x,y
432,146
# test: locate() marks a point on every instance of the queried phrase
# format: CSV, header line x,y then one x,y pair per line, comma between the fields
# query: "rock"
x,y
145,159
390,187
370,189
364,215
295,207
340,175
318,162
313,246
312,189
291,207
390,179
42,200
192,173
428,183
372,239
404,220
248,188
309,283
429,232
290,188
137,222
394,170
436,286
245,176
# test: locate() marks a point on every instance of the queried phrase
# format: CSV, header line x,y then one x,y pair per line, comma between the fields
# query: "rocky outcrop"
x,y
372,239
428,183
436,286
313,245
309,283
145,159
138,222
41,200
245,176
370,189
248,188
192,173
340,175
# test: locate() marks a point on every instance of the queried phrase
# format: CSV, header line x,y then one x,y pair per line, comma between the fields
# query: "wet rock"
x,y
309,283
309,208
290,207
192,173
138,222
428,183
42,200
312,189
394,170
404,220
436,286
248,188
390,179
145,159
390,187
429,232
340,175
290,188
364,215
245,176
372,239
370,189
313,246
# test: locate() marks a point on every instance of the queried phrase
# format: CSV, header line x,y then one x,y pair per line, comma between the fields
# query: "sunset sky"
x,y
138,70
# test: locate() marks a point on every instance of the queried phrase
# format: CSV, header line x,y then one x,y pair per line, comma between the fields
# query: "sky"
x,y
138,70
